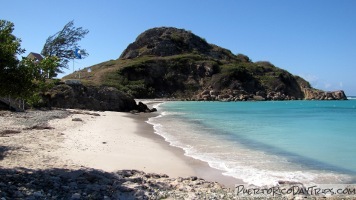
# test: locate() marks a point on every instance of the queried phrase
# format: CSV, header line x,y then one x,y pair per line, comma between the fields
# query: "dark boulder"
x,y
102,98
141,107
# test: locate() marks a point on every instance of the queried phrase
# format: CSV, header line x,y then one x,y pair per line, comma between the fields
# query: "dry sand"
x,y
112,141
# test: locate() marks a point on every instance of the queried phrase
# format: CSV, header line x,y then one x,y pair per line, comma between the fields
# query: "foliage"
x,y
10,71
63,44
42,70
243,58
31,77
26,78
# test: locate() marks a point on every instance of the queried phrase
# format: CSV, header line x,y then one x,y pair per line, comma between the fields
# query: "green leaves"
x,y
25,78
63,44
9,49
41,70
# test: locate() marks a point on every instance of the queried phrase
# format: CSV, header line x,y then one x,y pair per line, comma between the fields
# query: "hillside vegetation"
x,y
174,63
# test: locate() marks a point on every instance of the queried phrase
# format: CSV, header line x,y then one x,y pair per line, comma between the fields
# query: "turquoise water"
x,y
264,142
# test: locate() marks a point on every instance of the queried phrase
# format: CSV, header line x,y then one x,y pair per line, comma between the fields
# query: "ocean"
x,y
312,142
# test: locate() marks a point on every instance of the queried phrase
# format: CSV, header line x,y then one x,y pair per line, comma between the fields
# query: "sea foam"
x,y
254,162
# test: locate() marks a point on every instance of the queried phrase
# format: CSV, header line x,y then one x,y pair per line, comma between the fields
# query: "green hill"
x,y
168,62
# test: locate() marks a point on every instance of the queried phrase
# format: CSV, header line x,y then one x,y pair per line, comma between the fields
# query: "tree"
x,y
10,48
63,44
38,77
21,79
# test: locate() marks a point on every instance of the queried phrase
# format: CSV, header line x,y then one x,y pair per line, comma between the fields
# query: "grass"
x,y
147,76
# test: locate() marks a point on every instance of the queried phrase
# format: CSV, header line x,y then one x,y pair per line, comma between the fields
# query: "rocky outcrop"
x,y
241,95
236,95
167,62
168,41
76,95
314,94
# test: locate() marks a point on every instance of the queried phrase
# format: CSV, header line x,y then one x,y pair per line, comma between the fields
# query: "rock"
x,y
19,194
153,175
310,94
206,97
205,92
77,119
168,41
72,82
213,93
261,93
141,107
339,95
93,98
76,196
258,98
38,194
223,96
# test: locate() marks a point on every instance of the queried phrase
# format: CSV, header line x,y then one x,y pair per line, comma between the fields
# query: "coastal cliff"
x,y
168,62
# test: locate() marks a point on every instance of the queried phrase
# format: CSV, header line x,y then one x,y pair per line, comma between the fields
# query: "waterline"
x,y
264,142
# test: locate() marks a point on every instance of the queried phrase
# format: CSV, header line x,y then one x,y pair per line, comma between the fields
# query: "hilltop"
x,y
167,62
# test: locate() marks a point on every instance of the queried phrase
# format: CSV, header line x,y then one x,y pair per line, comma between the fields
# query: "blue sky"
x,y
315,39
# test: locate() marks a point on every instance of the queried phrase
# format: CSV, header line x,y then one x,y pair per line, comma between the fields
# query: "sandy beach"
x,y
114,141
108,141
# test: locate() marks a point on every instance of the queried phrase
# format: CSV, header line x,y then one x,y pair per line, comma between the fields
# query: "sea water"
x,y
312,142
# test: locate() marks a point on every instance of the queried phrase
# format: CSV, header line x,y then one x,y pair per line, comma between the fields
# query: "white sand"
x,y
110,142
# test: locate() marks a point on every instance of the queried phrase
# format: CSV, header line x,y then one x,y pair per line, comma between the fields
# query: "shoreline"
x,y
109,141
199,168
137,145
59,153
78,154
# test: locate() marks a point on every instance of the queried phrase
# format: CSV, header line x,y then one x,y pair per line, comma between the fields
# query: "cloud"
x,y
327,85
312,79
316,82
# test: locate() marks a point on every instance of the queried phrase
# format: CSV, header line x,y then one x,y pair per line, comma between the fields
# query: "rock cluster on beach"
x,y
96,184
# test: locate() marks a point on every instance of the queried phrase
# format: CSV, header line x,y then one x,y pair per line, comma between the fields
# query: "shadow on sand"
x,y
3,150
22,183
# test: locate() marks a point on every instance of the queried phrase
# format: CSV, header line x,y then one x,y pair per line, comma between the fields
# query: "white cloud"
x,y
327,85
318,83
312,79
